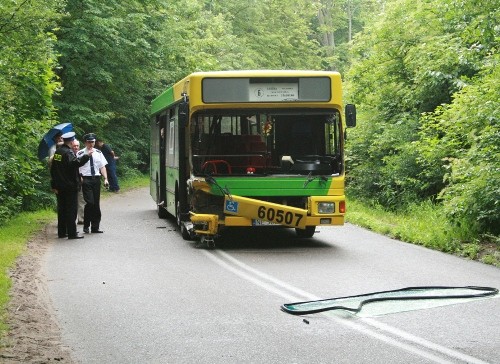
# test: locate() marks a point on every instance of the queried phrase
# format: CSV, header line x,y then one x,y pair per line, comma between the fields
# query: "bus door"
x,y
172,163
161,181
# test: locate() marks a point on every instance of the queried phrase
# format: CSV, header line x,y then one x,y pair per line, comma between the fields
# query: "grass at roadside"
x,y
15,234
425,224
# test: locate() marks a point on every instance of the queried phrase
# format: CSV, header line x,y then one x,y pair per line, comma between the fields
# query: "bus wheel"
x,y
308,232
186,235
162,213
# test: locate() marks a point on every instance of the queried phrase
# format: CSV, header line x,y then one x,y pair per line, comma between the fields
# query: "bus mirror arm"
x,y
350,115
183,113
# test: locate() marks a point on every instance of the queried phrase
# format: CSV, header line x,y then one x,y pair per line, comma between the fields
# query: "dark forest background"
x,y
423,74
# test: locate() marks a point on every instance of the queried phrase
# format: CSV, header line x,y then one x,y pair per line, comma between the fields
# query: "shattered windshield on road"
x,y
386,302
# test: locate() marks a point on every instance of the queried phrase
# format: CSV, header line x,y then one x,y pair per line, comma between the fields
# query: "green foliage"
x,y
423,224
253,34
110,54
102,47
27,84
426,79
466,135
275,44
382,162
426,224
463,137
334,26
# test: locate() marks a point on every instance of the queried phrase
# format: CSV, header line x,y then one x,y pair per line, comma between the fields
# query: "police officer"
x,y
91,173
65,182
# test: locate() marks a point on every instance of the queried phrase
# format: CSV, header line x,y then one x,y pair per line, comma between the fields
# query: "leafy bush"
x,y
425,78
26,87
465,136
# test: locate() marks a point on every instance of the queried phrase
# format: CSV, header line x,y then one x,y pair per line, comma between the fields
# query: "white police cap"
x,y
69,136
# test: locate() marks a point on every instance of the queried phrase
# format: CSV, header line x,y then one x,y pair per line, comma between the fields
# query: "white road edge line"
x,y
218,257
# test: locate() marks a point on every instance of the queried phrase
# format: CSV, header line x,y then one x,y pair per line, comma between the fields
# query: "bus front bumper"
x,y
233,221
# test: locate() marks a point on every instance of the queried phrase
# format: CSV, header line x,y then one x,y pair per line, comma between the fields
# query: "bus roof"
x,y
257,73
175,92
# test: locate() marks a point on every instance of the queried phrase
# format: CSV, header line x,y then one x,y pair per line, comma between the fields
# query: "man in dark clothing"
x,y
65,182
111,158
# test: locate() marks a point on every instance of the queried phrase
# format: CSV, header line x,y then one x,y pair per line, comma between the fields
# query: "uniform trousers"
x,y
81,207
91,189
67,204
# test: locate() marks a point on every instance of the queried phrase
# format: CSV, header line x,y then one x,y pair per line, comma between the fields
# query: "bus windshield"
x,y
263,142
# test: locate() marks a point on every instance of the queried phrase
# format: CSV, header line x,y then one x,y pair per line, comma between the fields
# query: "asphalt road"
x,y
140,294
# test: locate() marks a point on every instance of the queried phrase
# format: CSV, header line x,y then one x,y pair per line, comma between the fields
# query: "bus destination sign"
x,y
262,92
266,89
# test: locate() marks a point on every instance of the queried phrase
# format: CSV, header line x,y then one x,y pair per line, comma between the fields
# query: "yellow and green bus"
x,y
248,149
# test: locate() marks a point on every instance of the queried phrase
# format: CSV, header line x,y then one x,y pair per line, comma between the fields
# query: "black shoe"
x,y
97,231
75,237
62,236
86,230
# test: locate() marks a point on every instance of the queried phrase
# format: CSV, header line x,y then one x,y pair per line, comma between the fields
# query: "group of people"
x,y
73,170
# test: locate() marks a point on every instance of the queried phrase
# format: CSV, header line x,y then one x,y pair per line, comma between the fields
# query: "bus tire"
x,y
184,232
308,232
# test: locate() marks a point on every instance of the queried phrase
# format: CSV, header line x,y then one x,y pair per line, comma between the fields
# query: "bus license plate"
x,y
257,222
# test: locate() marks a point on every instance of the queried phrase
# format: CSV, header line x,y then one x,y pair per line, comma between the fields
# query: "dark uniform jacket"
x,y
64,169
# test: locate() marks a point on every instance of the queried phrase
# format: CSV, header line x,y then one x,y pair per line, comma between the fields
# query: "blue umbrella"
x,y
48,139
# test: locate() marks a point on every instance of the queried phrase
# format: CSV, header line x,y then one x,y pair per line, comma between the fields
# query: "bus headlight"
x,y
326,207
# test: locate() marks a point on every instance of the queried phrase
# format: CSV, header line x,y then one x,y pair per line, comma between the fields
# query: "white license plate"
x,y
257,222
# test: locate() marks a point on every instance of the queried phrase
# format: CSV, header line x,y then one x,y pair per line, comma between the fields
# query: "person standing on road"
x,y
111,158
58,141
91,173
65,182
81,203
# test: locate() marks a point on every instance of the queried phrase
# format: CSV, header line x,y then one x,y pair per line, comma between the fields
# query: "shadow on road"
x,y
267,238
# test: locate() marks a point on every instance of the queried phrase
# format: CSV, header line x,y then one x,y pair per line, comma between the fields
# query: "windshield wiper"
x,y
311,178
225,191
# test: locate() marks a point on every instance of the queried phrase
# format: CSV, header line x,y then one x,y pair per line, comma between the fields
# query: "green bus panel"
x,y
273,186
162,101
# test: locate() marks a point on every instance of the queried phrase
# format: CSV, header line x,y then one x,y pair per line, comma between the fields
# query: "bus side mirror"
x,y
183,114
350,115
